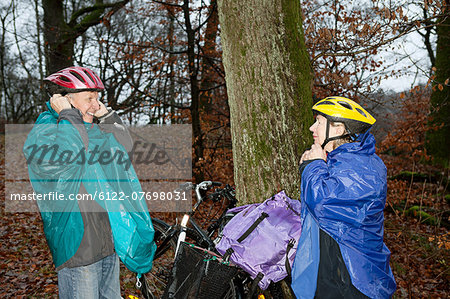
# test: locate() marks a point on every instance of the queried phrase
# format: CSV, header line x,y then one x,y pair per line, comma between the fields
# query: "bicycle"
x,y
153,284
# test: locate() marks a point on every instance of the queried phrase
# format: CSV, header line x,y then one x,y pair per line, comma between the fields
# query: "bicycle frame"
x,y
174,230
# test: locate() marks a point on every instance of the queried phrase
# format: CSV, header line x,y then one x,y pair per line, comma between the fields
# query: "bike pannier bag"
x,y
262,238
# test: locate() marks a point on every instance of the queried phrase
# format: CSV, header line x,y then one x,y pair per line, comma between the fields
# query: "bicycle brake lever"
x,y
186,186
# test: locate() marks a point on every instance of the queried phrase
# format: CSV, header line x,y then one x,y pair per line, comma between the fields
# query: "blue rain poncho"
x,y
62,171
345,197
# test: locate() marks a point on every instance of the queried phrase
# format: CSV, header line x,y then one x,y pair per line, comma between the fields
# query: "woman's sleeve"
x,y
346,195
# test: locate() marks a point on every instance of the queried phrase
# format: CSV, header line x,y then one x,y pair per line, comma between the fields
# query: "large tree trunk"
x,y
268,77
59,40
60,36
439,140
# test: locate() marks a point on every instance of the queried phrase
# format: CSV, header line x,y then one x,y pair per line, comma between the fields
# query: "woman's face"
x,y
319,130
87,103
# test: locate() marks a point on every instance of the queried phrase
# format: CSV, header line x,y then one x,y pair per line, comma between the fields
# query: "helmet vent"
x,y
89,75
77,76
64,79
360,111
325,103
345,105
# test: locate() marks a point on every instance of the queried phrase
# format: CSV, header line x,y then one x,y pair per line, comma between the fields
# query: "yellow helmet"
x,y
339,109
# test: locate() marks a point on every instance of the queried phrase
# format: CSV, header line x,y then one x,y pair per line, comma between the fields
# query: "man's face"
x,y
87,103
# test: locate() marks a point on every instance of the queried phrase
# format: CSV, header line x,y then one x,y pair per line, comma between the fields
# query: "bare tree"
x,y
19,93
60,33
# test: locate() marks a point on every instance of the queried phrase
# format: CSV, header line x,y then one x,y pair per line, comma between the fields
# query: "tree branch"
x,y
95,17
408,29
373,47
167,4
96,7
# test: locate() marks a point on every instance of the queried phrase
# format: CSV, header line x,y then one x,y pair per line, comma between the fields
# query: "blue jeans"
x,y
97,280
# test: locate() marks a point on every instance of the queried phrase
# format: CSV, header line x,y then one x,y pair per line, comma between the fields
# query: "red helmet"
x,y
77,77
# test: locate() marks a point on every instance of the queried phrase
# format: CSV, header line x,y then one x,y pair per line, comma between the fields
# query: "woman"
x,y
341,253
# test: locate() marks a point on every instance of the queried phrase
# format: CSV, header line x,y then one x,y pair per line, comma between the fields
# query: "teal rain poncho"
x,y
63,166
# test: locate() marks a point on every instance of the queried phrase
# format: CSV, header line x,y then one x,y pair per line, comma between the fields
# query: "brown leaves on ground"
x,y
418,205
420,265
26,267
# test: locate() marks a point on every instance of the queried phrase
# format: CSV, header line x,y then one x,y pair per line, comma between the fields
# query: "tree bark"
x,y
268,76
58,45
195,94
60,36
208,75
171,33
438,141
43,95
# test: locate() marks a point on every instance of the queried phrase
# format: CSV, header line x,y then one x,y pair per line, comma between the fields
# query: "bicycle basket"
x,y
198,273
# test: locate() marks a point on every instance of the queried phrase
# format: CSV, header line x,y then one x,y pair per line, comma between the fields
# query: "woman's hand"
x,y
59,103
316,152
304,156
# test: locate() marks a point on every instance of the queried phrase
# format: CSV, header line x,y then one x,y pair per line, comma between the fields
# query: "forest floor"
x,y
420,247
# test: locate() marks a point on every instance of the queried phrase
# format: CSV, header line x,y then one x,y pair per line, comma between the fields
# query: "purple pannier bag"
x,y
262,238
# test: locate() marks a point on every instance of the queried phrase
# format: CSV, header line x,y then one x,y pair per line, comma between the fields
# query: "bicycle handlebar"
x,y
227,192
186,186
206,185
203,185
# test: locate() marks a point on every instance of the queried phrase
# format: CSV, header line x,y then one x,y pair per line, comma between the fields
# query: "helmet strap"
x,y
328,139
325,142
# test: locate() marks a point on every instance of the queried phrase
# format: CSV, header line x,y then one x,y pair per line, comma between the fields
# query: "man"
x,y
95,220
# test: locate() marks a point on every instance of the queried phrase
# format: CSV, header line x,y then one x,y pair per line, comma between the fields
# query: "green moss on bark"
x,y
438,142
268,79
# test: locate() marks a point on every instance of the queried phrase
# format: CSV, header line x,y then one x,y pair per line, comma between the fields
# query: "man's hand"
x,y
316,152
59,102
102,111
